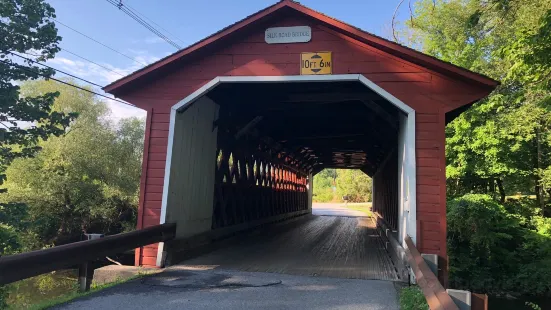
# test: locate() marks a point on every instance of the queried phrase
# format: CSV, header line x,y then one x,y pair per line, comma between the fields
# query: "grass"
x,y
412,298
362,207
77,294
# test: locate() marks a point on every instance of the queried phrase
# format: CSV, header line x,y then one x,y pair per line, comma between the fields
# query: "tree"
x,y
324,183
347,182
84,181
26,26
500,145
355,184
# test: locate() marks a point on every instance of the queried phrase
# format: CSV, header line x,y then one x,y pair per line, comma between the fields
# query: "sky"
x,y
184,21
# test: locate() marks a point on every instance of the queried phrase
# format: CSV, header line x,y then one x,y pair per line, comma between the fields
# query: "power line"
x,y
57,70
63,82
88,60
149,19
104,45
144,23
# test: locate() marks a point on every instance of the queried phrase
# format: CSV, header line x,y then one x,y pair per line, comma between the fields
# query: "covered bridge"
x,y
238,124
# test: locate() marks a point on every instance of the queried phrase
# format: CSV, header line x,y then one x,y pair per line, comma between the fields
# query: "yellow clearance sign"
x,y
316,63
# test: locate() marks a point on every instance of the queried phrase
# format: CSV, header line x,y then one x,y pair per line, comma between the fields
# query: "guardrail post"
x,y
86,270
85,276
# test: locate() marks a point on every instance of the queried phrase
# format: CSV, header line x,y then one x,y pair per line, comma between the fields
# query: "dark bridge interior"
x,y
312,125
271,138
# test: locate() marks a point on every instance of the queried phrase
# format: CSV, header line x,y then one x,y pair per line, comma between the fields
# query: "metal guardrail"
x,y
25,265
435,293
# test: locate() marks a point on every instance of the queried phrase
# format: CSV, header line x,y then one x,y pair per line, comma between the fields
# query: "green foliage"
x,y
412,298
533,305
26,26
501,145
84,181
332,185
496,249
323,185
355,184
480,242
3,297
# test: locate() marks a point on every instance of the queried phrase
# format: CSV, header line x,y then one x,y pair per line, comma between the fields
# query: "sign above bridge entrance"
x,y
297,34
316,63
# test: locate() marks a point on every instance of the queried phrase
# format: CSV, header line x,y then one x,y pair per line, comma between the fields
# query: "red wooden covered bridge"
x,y
238,124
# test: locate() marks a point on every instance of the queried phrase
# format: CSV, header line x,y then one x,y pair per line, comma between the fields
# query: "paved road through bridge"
x,y
313,262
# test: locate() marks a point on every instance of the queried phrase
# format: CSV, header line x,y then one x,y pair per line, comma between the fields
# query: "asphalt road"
x,y
335,209
217,289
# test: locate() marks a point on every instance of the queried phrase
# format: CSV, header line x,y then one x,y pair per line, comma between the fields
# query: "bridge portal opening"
x,y
243,152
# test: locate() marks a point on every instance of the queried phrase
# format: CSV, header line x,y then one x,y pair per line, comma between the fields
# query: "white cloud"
x,y
153,40
148,40
89,71
102,76
119,111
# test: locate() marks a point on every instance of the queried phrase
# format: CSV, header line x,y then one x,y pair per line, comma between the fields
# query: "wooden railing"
x,y
435,293
21,266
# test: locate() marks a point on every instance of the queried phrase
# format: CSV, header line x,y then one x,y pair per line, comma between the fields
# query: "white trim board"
x,y
409,139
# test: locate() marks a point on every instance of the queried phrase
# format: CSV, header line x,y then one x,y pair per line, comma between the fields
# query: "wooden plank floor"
x,y
331,246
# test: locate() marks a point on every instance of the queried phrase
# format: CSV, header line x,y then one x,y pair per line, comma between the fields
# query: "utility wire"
x,y
57,70
149,19
95,63
104,45
63,82
144,23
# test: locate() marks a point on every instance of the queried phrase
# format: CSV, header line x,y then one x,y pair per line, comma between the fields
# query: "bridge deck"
x,y
331,246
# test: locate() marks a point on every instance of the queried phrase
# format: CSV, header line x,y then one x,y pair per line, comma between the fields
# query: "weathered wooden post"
x,y
86,270
85,276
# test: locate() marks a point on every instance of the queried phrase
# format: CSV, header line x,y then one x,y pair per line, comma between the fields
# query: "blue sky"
x,y
188,21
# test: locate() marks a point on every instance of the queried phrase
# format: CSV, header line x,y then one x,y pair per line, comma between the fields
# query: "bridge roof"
x,y
283,6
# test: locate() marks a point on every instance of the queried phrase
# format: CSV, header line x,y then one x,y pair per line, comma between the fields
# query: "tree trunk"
x,y
501,190
538,189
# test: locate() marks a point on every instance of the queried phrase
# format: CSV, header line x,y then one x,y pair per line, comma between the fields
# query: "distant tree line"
x,y
334,184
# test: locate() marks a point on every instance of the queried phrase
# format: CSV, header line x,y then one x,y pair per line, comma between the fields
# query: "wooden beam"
x,y
435,294
331,97
317,169
248,127
327,137
370,104
367,171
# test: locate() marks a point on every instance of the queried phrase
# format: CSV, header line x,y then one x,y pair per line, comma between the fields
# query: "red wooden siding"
x,y
430,94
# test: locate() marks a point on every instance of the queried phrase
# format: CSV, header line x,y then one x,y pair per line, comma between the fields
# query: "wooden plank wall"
x,y
253,184
429,93
190,195
385,201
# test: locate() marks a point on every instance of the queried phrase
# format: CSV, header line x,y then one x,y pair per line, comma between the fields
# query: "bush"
x,y
3,297
325,195
412,298
355,184
497,249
